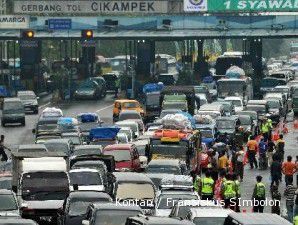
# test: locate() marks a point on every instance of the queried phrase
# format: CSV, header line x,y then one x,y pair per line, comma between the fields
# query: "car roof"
x,y
5,192
25,93
126,100
12,99
127,111
88,194
160,220
210,212
113,206
162,162
132,177
83,170
57,140
258,219
118,147
16,220
232,98
32,146
82,147
70,134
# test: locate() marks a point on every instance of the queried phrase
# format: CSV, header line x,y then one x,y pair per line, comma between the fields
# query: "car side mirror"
x,y
33,131
85,222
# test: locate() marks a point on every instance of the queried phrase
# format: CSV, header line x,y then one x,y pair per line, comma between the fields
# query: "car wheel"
x,y
36,111
23,122
3,123
103,93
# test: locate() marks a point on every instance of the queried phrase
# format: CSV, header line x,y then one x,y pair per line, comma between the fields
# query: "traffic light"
x,y
87,34
28,34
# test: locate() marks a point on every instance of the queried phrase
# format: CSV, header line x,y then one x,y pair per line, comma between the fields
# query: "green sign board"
x,y
241,6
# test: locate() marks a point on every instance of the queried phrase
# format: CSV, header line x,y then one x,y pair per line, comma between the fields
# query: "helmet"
x,y
240,128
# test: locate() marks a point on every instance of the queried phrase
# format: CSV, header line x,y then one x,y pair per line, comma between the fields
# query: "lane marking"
x,y
109,106
42,106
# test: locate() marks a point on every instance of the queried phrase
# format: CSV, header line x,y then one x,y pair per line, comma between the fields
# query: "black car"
x,y
111,79
154,220
110,214
29,100
75,206
89,89
16,220
169,166
102,85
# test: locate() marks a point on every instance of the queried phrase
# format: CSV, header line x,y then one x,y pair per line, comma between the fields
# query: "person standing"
x,y
290,195
271,147
252,148
275,171
218,184
238,193
263,154
280,147
229,191
207,187
2,149
296,163
223,162
276,197
259,195
239,164
288,169
265,129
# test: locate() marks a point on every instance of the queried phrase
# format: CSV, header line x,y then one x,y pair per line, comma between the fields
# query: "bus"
x,y
242,87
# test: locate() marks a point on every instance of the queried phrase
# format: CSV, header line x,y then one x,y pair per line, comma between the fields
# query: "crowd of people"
x,y
225,172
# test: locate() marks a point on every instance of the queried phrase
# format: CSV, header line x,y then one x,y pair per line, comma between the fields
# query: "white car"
x,y
86,180
236,101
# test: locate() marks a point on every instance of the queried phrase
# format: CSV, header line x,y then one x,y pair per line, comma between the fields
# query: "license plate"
x,y
46,218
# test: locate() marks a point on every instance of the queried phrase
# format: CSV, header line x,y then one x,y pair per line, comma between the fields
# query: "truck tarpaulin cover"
x,y
104,133
88,117
152,87
235,72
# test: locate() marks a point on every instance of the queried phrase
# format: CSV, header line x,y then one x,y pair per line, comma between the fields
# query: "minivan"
x,y
13,112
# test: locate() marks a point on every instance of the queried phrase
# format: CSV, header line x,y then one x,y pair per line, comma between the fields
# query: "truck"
x,y
41,183
176,144
192,101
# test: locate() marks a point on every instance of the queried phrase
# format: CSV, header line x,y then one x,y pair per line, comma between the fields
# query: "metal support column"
x,y
256,59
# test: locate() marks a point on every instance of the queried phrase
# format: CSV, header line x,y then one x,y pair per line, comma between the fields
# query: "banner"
x,y
223,6
14,22
90,7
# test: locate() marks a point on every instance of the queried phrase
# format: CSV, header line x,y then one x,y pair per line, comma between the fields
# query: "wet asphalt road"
x,y
16,135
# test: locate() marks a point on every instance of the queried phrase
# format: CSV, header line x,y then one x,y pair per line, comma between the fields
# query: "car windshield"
x,y
254,116
273,104
245,120
27,97
87,85
168,201
79,207
141,149
5,183
135,191
127,116
45,186
13,107
75,139
57,147
84,178
131,105
119,155
47,127
8,202
278,75
256,108
225,124
113,217
79,152
163,169
235,102
209,220
181,105
206,133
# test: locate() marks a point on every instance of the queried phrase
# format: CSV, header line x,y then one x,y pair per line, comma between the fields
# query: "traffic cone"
x,y
296,124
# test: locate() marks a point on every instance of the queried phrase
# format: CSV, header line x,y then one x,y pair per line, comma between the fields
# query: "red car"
x,y
126,156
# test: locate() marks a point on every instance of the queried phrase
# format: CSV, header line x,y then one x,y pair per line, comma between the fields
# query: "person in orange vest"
x,y
252,148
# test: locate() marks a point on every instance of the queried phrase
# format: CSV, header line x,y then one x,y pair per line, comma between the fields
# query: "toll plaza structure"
x,y
77,26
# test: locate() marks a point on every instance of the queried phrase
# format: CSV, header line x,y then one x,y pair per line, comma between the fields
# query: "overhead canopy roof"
x,y
157,34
